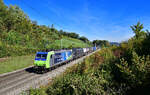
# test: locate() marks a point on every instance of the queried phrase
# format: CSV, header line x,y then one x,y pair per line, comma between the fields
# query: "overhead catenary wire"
x,y
41,14
48,3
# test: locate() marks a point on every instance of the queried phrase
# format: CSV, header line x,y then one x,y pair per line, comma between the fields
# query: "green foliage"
x,y
20,36
101,43
74,35
137,71
10,50
84,39
137,43
146,44
73,84
37,92
69,42
137,29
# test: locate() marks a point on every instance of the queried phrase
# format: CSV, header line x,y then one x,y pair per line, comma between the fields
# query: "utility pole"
x,y
61,43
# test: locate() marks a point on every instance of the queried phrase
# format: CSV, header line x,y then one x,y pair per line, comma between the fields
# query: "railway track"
x,y
15,83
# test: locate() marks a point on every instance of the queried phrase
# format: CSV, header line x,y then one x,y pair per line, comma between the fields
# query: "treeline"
x,y
19,35
104,43
73,35
101,43
115,70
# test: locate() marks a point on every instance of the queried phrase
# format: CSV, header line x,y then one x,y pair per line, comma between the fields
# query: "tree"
x,y
3,14
101,43
136,42
138,30
73,35
3,10
84,39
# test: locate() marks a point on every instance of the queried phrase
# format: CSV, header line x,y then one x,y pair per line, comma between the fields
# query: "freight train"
x,y
46,60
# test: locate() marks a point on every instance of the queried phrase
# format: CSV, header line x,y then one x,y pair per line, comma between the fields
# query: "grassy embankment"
x,y
14,63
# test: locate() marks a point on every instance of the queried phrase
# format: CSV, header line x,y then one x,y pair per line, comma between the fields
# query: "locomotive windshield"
x,y
41,56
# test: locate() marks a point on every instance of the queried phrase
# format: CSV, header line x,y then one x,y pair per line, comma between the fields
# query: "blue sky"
x,y
95,19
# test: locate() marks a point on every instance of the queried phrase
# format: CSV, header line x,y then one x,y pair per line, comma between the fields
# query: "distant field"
x,y
69,42
14,63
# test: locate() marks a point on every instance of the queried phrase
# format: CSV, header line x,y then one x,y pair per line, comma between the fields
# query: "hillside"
x,y
69,43
19,35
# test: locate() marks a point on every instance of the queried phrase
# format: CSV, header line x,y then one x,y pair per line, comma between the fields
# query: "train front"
x,y
40,60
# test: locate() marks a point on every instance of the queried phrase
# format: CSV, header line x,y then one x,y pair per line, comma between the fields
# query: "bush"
x,y
74,84
137,72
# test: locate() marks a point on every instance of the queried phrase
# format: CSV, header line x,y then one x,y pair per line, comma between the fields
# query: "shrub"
x,y
137,72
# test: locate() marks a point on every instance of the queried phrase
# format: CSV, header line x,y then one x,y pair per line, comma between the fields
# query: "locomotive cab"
x,y
43,59
40,59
